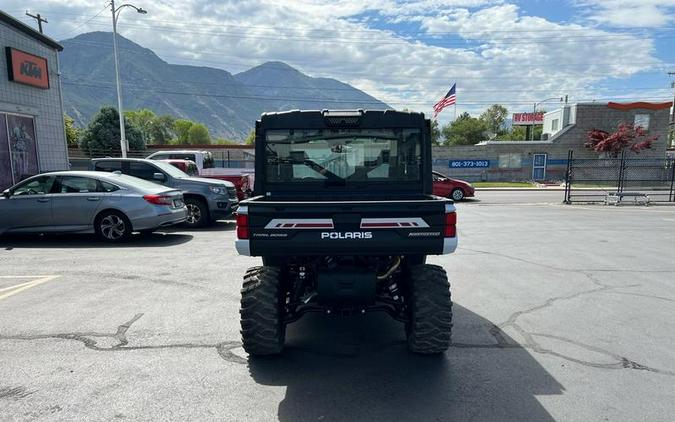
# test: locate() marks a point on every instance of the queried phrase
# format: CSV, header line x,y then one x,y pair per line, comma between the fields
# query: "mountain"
x,y
227,104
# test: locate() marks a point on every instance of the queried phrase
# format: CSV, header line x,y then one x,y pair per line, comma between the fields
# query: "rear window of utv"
x,y
346,156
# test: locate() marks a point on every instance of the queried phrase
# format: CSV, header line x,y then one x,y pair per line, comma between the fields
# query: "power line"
x,y
82,24
352,89
320,100
217,52
558,30
395,41
335,72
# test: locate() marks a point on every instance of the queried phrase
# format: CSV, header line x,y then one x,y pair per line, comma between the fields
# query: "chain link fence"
x,y
593,179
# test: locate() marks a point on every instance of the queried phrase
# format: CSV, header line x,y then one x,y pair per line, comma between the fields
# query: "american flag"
x,y
449,99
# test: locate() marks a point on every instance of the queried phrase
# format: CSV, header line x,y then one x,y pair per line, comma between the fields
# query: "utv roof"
x,y
311,119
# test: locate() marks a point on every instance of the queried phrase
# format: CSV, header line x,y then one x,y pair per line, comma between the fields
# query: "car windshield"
x,y
171,170
343,155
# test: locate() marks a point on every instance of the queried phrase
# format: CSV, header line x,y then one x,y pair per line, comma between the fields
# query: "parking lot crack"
x,y
121,334
530,342
89,340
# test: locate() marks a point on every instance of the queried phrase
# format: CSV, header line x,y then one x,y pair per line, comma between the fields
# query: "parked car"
x,y
206,199
451,188
242,182
110,205
187,166
203,159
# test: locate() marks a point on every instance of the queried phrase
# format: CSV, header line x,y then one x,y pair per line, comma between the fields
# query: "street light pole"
x,y
120,110
534,111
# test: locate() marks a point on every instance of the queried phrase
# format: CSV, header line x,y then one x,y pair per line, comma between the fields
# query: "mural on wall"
x,y
22,146
5,163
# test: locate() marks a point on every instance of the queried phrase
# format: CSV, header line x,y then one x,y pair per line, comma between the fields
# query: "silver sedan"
x,y
108,204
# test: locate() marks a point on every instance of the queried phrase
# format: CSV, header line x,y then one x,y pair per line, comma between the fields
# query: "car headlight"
x,y
218,190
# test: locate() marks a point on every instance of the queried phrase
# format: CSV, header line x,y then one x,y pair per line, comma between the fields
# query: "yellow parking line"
x,y
14,287
12,290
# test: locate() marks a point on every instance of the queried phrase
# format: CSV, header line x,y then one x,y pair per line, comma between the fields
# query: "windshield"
x,y
171,170
343,155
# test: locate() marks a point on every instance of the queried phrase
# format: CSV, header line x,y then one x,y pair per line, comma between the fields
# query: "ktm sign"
x,y
27,69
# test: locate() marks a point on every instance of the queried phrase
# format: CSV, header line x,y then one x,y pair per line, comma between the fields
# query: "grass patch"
x,y
503,185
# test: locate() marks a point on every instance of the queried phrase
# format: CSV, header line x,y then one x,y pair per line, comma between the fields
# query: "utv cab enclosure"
x,y
343,218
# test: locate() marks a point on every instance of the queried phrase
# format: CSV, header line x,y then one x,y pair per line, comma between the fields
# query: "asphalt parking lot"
x,y
561,313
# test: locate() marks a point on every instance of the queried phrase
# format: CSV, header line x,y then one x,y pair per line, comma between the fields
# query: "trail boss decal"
x,y
346,235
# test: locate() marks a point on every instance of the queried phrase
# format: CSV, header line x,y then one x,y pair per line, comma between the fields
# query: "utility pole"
x,y
115,15
39,20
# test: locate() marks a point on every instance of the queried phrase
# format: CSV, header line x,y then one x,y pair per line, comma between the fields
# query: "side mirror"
x,y
6,193
159,176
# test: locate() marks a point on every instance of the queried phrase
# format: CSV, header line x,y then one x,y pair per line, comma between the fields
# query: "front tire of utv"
x,y
263,330
429,329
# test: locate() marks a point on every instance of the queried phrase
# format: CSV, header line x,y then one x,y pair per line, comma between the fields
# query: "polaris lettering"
x,y
346,235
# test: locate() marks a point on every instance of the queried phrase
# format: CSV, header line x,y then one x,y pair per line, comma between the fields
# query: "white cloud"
x,y
493,51
630,13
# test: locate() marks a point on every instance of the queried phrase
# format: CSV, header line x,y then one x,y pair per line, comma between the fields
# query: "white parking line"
x,y
36,280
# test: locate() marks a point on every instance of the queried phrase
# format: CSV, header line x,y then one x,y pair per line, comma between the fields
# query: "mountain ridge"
x,y
228,104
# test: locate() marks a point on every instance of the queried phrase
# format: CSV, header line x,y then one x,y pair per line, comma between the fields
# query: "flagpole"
x,y
455,112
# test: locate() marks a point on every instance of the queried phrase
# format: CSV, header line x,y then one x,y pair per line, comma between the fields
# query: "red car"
x,y
451,188
241,182
188,166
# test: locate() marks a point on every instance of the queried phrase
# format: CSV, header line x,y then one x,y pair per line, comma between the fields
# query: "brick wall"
x,y
588,117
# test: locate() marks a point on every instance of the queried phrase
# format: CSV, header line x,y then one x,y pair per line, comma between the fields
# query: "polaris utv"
x,y
343,218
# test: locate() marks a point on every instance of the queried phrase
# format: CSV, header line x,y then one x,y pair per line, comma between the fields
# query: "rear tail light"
x,y
242,226
450,225
159,199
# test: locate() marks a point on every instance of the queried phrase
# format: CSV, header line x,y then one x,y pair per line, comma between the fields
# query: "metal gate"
x,y
592,179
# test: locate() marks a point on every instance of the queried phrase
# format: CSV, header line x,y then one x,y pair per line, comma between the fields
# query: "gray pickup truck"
x,y
206,199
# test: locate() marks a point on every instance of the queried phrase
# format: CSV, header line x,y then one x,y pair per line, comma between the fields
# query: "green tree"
x,y
494,118
250,139
102,135
198,134
72,132
181,127
465,130
435,133
143,119
162,130
223,141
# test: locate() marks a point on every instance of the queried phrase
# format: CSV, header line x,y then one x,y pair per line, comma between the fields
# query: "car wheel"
x,y
113,226
457,194
197,213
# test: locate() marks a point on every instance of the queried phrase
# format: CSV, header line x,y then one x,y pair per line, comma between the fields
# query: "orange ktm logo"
x,y
27,69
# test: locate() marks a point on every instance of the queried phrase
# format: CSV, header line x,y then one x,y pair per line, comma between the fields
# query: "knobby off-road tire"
x,y
430,327
262,327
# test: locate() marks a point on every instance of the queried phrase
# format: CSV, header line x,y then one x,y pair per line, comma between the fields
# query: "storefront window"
x,y
5,166
510,161
22,146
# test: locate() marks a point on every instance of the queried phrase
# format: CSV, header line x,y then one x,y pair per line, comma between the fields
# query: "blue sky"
x,y
408,53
